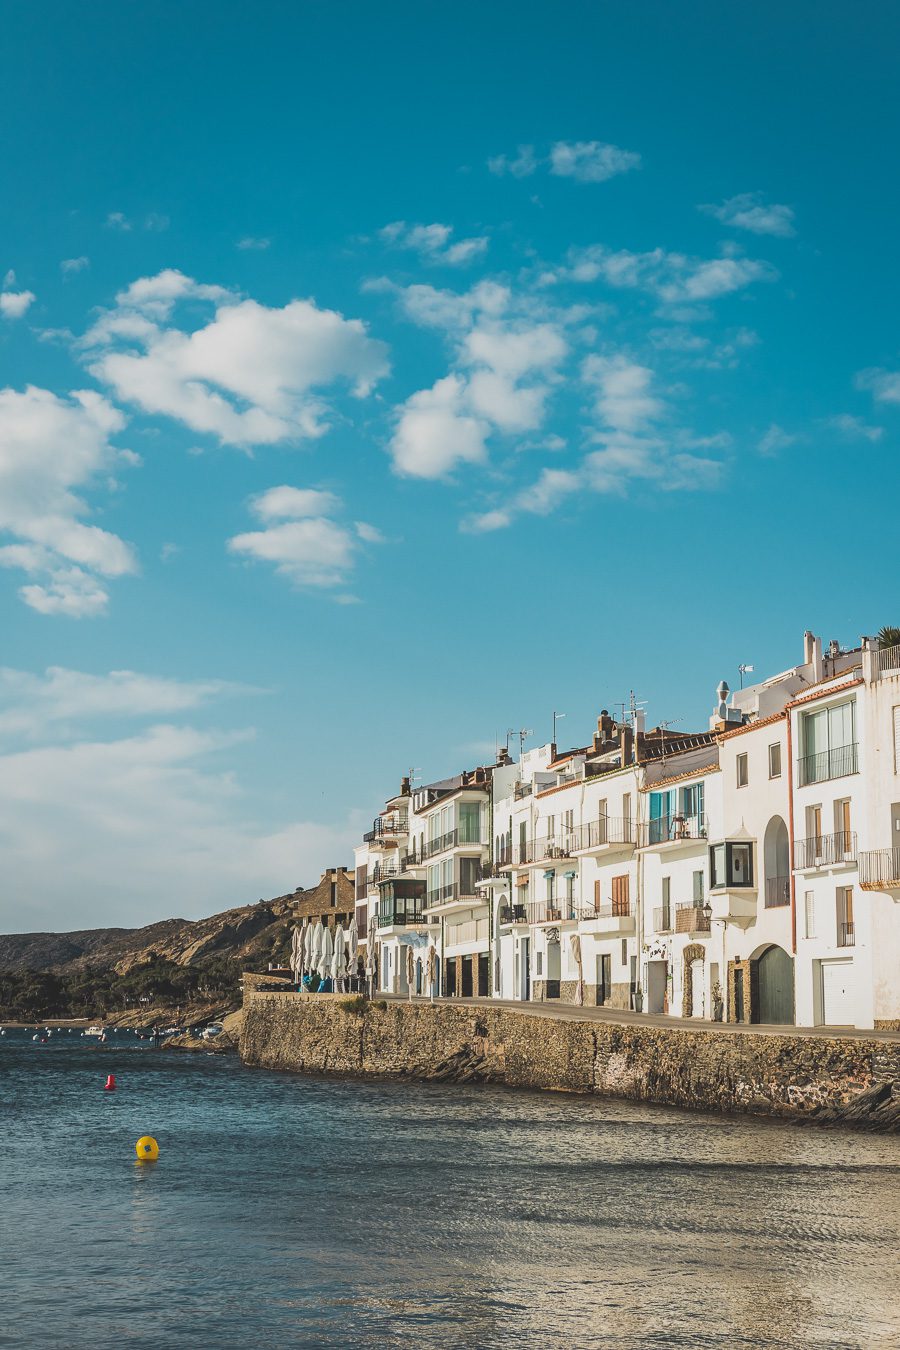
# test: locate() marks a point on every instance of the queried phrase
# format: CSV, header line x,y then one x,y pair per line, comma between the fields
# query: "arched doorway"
x,y
775,987
777,860
693,980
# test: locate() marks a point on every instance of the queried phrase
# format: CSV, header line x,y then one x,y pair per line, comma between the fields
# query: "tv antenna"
x,y
744,670
556,716
523,737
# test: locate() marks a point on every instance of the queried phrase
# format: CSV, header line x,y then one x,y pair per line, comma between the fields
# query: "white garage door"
x,y
837,993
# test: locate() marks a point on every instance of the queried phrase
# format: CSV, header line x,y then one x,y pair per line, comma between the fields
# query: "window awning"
x,y
551,873
570,874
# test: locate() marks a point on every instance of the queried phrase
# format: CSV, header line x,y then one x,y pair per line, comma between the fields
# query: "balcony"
x,y
615,916
879,870
512,914
383,872
675,829
691,919
836,763
846,935
452,839
608,834
825,850
554,911
778,892
386,830
662,919
400,918
887,661
547,849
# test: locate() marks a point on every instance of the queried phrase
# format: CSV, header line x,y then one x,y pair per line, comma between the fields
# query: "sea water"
x,y
296,1211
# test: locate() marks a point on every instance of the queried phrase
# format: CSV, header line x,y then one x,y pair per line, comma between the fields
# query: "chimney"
x,y
404,787
640,721
626,741
812,654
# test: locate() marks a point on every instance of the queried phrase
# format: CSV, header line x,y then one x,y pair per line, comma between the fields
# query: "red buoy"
x,y
110,1084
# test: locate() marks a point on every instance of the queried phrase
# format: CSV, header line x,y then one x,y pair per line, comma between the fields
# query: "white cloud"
x,y
436,432
750,211
623,400
486,522
591,161
551,488
253,243
775,438
448,425
583,161
41,706
249,376
96,810
522,165
154,221
854,428
447,311
433,243
69,266
51,449
674,278
309,547
15,304
883,385
117,220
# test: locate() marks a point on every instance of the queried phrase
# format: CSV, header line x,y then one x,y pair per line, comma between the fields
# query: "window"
x,y
570,892
731,864
551,826
666,903
846,933
842,821
468,874
624,951
550,878
828,743
568,821
626,808
469,822
775,760
523,840
743,771
539,963
698,888
692,801
809,905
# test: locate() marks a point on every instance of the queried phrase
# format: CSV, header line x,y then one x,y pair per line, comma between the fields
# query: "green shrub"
x,y
358,1005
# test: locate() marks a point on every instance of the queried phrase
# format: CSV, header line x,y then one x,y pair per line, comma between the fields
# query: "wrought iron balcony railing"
x,y
880,868
607,830
846,935
825,850
836,763
671,829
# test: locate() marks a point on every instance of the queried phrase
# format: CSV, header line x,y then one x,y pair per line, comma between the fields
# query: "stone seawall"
x,y
846,1080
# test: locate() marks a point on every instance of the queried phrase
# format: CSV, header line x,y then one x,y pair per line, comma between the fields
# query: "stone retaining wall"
x,y
794,1076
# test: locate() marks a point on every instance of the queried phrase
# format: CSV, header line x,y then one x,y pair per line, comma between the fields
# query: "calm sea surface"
x,y
297,1211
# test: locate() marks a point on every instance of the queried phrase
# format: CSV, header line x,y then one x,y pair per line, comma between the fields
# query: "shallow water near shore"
x,y
288,1210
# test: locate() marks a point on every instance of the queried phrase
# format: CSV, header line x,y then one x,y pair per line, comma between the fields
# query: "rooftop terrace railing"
x,y
887,661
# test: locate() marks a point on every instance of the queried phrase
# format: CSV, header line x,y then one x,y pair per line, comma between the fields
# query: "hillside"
x,y
175,967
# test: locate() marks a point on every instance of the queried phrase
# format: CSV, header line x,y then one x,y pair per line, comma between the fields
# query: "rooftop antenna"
x,y
633,705
523,737
744,670
510,731
662,728
556,716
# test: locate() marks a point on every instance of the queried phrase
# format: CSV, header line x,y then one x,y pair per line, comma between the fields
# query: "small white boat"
x,y
94,1031
214,1029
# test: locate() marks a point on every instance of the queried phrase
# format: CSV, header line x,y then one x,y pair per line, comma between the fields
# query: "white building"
x,y
749,872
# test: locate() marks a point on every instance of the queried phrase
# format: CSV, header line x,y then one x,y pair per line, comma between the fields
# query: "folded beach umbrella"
x,y
296,945
352,944
431,969
301,948
339,958
318,938
308,948
326,953
370,946
576,954
410,969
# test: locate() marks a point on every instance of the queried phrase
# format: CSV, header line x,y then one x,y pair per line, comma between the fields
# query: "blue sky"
x,y
375,379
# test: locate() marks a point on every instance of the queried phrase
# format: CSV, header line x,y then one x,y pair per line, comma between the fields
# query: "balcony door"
x,y
662,809
620,895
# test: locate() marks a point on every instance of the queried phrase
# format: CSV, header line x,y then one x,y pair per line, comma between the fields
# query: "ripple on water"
x,y
333,1212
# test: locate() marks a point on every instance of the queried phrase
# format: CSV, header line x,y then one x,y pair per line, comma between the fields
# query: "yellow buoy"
x,y
147,1148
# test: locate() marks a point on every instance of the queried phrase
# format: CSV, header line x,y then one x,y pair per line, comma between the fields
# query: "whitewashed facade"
x,y
749,871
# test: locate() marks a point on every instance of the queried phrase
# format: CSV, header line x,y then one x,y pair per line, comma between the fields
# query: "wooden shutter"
x,y
620,895
598,895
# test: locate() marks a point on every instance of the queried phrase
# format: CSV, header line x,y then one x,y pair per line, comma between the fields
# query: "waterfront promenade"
x,y
624,1017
